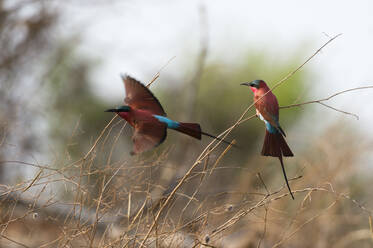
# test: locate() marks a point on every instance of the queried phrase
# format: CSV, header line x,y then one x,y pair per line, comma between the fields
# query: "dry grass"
x,y
197,210
143,202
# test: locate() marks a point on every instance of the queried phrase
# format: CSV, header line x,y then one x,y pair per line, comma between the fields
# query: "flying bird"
x,y
268,111
146,115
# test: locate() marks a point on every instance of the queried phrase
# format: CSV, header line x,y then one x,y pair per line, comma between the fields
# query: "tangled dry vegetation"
x,y
150,202
144,201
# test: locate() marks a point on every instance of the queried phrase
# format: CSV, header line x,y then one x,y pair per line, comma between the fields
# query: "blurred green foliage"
x,y
221,99
77,115
74,110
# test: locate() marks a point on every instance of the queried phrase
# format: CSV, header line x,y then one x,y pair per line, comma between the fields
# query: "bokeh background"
x,y
66,176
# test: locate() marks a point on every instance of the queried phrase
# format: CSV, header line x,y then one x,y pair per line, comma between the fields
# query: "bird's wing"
x,y
267,115
271,115
148,135
138,96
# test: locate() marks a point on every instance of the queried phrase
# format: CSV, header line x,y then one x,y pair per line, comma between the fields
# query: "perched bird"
x,y
268,111
146,115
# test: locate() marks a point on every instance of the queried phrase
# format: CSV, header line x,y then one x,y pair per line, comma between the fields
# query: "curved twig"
x,y
320,101
207,151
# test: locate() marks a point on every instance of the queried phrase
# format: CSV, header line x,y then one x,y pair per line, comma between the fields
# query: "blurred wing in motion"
x,y
148,135
138,96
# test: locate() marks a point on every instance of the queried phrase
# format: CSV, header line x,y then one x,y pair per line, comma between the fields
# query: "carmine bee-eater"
x,y
268,111
146,115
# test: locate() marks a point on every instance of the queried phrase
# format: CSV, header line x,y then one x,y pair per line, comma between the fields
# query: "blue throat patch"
x,y
170,123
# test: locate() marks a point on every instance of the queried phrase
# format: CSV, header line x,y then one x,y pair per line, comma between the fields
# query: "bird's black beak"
x,y
251,84
111,110
119,109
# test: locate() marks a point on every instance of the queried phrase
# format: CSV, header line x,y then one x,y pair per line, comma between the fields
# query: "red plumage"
x,y
267,106
138,96
146,115
275,145
148,135
191,129
268,110
149,132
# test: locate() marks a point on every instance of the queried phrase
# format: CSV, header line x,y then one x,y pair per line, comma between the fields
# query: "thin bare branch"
x,y
322,100
207,150
305,223
156,76
13,241
264,228
262,181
